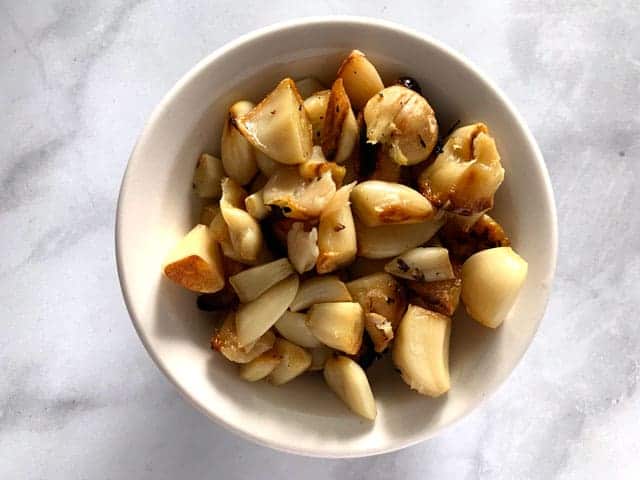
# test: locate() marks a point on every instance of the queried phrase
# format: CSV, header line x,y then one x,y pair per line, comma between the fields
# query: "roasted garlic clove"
x,y
483,234
293,327
379,293
347,379
465,176
258,316
322,289
225,341
244,231
238,155
491,281
361,79
278,125
297,197
340,131
378,203
338,325
336,233
403,122
391,240
295,361
249,284
207,176
195,262
442,296
302,247
423,264
260,367
421,351
255,206
379,329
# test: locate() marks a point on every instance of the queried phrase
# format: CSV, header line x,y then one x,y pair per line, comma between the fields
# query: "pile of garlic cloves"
x,y
338,226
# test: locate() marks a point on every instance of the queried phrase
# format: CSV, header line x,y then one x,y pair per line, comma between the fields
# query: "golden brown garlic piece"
x,y
237,153
340,130
403,122
465,176
485,233
360,77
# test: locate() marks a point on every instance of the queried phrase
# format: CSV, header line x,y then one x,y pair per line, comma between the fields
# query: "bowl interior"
x,y
157,207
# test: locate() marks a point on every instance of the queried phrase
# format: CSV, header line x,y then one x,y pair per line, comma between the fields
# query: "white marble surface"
x,y
80,398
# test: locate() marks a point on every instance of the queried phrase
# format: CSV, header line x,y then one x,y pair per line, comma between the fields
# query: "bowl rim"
x,y
159,110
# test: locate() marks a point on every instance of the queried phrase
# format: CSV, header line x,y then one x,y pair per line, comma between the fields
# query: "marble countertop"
x,y
80,398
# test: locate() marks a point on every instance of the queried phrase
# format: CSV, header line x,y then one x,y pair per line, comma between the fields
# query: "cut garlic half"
x,y
378,203
253,282
295,361
423,264
293,327
336,233
321,289
391,240
244,231
360,77
421,351
348,380
238,155
340,131
302,247
256,317
225,341
491,281
338,325
260,367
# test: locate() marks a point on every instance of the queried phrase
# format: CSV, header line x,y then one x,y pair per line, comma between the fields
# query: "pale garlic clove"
x,y
348,380
316,108
318,165
340,130
390,240
336,233
302,247
260,367
421,351
278,125
321,289
360,77
255,206
207,176
208,213
403,122
299,198
295,361
238,155
308,86
465,176
338,325
220,234
251,283
293,327
253,319
379,329
225,341
319,357
380,293
378,203
423,264
491,281
244,231
195,262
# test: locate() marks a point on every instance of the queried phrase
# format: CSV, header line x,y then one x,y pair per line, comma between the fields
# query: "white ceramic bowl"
x,y
155,208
